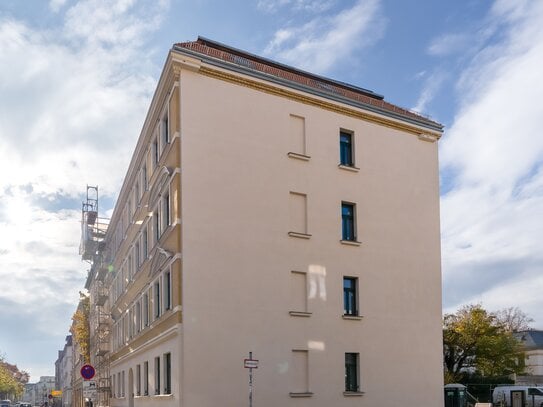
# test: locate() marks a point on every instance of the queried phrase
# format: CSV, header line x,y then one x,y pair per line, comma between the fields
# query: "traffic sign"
x,y
56,393
89,384
250,363
87,372
89,389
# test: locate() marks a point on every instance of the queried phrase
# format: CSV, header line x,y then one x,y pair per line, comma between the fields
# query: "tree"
x,y
80,328
475,341
513,319
12,380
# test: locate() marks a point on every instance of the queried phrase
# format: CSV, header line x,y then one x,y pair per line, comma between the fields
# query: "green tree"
x,y
475,341
12,380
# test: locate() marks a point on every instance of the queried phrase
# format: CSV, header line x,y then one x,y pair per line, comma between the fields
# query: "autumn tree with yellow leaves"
x,y
476,341
80,328
12,380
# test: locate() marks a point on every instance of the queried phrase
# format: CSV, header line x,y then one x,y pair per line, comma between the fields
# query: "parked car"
x,y
5,403
530,396
25,405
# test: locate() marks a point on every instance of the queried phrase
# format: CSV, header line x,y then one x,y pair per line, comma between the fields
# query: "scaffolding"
x,y
93,250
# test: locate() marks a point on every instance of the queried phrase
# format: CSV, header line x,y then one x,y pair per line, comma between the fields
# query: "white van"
x,y
517,396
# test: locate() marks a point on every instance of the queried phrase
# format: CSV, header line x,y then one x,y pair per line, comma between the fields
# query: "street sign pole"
x,y
250,364
250,382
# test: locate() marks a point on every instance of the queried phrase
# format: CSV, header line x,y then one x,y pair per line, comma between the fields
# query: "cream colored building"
x,y
272,211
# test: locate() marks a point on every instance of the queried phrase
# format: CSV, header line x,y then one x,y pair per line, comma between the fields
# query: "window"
x,y
138,380
164,132
123,385
154,152
119,394
146,378
137,194
349,296
114,391
138,316
145,243
165,213
156,225
131,323
351,372
167,282
167,373
156,301
137,255
157,375
347,222
346,156
145,310
144,178
130,268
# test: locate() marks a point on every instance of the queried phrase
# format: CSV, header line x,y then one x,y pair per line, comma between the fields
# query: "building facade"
x,y
532,345
63,374
38,393
273,211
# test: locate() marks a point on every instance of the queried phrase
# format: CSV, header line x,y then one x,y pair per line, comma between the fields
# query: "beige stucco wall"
x,y
238,259
534,362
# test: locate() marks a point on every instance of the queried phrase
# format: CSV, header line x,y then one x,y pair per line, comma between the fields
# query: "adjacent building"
x,y
273,211
63,374
38,393
532,345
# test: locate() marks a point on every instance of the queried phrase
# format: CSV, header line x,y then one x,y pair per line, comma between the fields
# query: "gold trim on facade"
x,y
273,90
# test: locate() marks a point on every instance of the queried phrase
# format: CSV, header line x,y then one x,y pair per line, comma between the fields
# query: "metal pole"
x,y
250,382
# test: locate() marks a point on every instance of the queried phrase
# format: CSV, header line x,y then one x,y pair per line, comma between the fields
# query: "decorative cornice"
x,y
277,91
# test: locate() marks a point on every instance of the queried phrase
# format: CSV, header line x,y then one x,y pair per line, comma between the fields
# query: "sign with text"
x,y
89,389
250,363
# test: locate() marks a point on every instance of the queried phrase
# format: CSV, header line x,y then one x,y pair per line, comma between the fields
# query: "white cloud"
x,y
327,40
432,84
56,5
272,6
448,44
72,102
493,215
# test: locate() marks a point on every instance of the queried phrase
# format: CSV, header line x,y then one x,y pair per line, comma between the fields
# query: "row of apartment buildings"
x,y
267,210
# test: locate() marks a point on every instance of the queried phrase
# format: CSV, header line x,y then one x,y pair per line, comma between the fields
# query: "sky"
x,y
77,77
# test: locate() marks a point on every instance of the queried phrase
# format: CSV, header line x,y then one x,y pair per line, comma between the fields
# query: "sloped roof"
x,y
530,340
271,69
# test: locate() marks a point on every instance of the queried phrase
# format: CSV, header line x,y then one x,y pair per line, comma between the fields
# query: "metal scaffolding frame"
x,y
92,249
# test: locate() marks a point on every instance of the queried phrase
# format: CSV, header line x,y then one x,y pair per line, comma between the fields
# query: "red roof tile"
x,y
225,53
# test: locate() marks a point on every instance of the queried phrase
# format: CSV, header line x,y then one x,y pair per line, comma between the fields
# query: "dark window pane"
x,y
345,149
349,296
347,222
351,372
